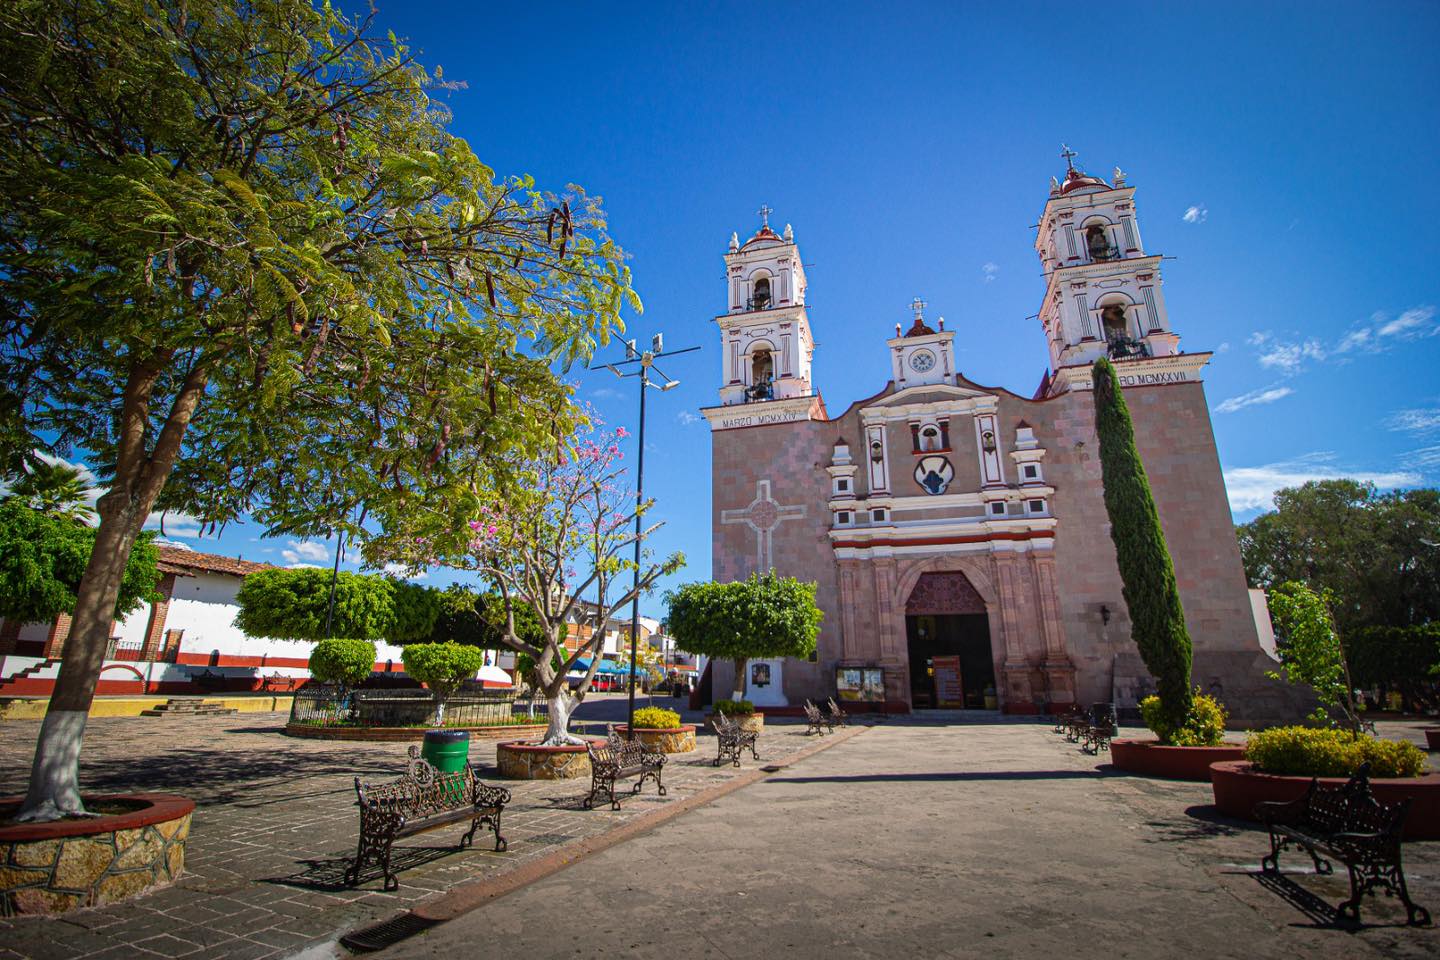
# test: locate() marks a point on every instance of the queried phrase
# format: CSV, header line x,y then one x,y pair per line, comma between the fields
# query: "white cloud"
x,y
305,553
402,571
1253,398
689,419
990,269
172,524
176,544
605,393
1253,488
1285,356
1196,214
1426,458
1410,325
1224,347
1415,420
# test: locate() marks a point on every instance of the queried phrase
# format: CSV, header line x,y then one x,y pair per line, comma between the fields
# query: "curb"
x,y
473,894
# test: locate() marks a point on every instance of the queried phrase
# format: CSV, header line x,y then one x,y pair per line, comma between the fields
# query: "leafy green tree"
x,y
57,489
243,253
343,660
442,667
42,560
293,605
478,619
1310,648
1375,552
1147,575
1404,659
763,616
560,526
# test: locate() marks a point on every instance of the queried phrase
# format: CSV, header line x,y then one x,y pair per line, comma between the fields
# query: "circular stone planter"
x,y
526,761
749,722
1432,738
1149,759
1238,786
679,739
89,861
315,732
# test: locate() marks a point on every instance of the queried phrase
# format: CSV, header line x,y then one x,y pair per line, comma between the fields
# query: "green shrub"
x,y
733,707
656,718
1305,751
1204,727
343,660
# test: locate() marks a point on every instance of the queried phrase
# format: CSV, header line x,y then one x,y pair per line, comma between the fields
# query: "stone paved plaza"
x,y
275,826
929,837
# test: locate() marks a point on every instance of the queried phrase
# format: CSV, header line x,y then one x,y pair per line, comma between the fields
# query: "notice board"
x,y
948,691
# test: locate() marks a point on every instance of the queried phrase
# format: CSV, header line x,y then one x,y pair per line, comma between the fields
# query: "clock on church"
x,y
922,360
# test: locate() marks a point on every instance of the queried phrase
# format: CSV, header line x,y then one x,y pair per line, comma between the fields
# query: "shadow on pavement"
x,y
329,875
961,776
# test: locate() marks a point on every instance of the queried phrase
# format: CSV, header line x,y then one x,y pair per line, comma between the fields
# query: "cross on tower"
x,y
1069,155
918,306
765,211
762,515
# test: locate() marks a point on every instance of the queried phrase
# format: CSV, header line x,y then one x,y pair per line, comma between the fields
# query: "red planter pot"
x,y
1238,787
1149,759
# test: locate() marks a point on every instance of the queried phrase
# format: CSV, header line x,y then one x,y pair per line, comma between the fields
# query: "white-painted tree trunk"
x,y
439,712
558,732
54,780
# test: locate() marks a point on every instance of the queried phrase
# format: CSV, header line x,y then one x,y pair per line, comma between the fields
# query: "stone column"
x,y
1019,695
1059,670
890,624
849,631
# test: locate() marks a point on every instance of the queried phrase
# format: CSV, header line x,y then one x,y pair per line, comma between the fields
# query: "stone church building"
x,y
957,531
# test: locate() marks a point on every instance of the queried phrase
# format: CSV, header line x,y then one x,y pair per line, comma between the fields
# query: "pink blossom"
x,y
621,433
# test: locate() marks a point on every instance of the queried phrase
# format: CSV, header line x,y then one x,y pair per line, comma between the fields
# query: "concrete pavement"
x,y
916,840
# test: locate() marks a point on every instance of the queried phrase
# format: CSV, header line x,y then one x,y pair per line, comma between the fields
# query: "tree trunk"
x,y
55,774
439,711
561,706
739,684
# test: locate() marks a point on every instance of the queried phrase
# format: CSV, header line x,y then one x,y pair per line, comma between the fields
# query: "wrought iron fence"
x,y
324,705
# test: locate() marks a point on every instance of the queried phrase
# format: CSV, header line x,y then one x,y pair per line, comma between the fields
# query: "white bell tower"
x,y
765,335
1103,291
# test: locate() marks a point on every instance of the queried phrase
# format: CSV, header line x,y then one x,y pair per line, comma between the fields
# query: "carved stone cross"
x,y
763,515
918,306
765,211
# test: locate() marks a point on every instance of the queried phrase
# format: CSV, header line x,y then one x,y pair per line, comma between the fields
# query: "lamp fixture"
x,y
1104,614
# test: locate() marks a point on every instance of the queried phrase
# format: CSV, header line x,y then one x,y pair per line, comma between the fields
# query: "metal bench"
x,y
1348,824
421,800
615,759
732,740
1096,728
816,722
838,717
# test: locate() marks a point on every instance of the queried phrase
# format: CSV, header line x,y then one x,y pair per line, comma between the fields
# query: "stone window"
x,y
877,516
1031,471
1037,506
761,299
997,508
843,518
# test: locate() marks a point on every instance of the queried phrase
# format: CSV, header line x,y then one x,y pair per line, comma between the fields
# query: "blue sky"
x,y
911,146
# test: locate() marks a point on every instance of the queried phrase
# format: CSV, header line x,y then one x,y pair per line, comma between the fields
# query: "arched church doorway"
x,y
947,632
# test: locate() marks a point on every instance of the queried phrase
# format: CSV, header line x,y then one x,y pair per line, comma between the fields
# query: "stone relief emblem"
x,y
934,475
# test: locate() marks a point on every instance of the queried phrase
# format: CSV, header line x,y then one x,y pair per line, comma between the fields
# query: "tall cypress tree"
x,y
1156,617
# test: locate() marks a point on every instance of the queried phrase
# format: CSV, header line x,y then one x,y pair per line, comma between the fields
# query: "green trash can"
x,y
446,750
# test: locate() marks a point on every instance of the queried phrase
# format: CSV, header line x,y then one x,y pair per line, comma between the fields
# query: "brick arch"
x,y
975,569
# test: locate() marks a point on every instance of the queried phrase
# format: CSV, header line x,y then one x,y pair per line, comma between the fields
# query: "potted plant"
x,y
1182,751
661,729
1280,763
742,711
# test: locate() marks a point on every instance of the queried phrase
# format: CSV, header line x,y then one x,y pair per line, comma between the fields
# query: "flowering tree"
x,y
562,526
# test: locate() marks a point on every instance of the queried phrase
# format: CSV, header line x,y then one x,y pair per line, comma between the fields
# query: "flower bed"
x,y
679,739
1149,758
137,843
1238,786
519,760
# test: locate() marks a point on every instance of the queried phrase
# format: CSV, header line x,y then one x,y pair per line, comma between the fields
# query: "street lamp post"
x,y
646,361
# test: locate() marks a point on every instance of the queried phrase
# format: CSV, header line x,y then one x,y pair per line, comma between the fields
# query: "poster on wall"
x,y
860,684
948,691
759,674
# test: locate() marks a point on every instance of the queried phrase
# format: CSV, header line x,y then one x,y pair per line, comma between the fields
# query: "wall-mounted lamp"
x,y
1104,614
987,440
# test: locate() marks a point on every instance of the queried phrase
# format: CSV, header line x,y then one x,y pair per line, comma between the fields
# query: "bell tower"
x,y
764,334
1103,292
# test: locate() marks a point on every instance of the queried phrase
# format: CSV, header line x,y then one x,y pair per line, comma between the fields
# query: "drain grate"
x,y
385,933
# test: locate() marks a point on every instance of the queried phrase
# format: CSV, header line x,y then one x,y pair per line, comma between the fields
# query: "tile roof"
x,y
188,562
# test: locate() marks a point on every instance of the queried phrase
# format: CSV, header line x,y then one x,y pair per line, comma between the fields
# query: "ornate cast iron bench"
x,y
838,717
1068,720
616,759
816,722
1097,728
732,740
422,800
1350,825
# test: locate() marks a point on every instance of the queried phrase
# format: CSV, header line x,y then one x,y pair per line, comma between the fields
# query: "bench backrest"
x,y
422,791
812,712
615,751
1351,807
1102,715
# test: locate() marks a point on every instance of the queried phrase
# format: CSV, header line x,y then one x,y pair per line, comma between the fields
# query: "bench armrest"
x,y
488,796
1280,812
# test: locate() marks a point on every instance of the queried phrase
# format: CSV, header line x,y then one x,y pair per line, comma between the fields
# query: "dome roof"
x,y
1079,180
764,234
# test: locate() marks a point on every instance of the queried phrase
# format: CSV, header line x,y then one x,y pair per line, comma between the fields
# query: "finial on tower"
x,y
734,241
789,232
1069,156
765,211
942,323
1119,177
918,306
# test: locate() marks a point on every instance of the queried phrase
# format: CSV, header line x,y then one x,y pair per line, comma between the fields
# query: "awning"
x,y
493,675
606,667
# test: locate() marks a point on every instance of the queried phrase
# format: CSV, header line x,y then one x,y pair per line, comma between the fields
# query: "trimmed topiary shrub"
x,y
656,718
1305,751
1204,727
342,660
733,708
442,667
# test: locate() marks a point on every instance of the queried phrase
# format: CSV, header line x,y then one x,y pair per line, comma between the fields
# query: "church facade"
x,y
957,531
